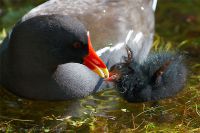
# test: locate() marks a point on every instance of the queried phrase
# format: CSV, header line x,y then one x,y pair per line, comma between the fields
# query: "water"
x,y
107,111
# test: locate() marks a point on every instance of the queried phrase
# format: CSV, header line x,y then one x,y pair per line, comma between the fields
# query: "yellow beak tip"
x,y
103,72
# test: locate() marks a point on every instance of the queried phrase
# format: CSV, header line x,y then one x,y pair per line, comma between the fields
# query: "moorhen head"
x,y
53,40
36,48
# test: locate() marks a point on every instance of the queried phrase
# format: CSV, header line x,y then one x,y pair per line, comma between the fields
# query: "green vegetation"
x,y
177,27
2,35
11,11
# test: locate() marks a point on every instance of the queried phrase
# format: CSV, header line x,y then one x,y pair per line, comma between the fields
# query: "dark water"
x,y
177,23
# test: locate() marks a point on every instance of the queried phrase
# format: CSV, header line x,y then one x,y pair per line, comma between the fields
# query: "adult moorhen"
x,y
41,57
31,55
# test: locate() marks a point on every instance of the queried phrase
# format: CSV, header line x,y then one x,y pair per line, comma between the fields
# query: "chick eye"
x,y
118,67
77,45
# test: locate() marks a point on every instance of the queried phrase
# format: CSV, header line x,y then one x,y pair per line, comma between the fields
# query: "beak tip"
x,y
102,72
105,73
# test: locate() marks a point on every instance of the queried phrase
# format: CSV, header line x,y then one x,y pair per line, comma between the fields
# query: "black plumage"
x,y
35,60
160,76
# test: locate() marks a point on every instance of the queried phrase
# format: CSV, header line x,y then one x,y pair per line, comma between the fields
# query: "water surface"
x,y
177,25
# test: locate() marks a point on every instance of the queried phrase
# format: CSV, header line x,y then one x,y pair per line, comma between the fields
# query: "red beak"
x,y
93,61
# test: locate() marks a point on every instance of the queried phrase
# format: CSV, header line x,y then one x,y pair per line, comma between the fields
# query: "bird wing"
x,y
108,21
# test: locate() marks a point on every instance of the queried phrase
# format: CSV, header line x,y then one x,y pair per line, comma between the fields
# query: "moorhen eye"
x,y
118,67
77,45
